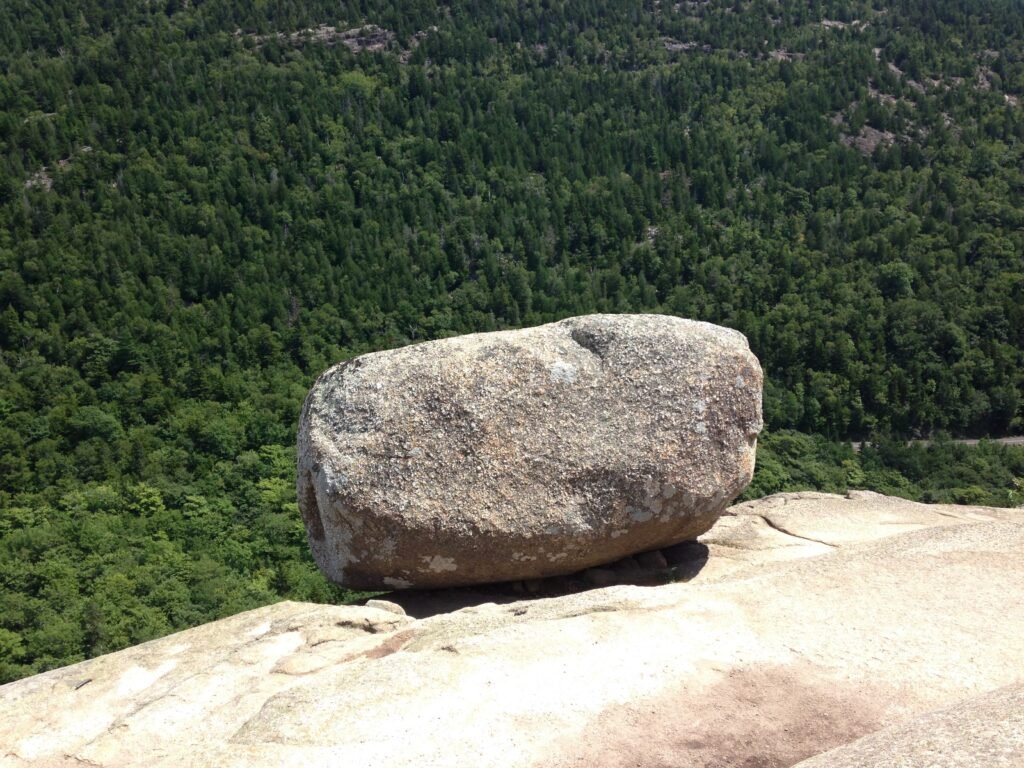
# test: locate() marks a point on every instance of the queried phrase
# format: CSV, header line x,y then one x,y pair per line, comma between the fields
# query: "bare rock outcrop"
x,y
897,610
524,454
983,732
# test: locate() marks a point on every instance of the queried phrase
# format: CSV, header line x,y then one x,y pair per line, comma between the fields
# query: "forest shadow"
x,y
678,563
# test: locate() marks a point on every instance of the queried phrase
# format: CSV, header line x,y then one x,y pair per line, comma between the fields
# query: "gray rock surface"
x,y
768,664
523,454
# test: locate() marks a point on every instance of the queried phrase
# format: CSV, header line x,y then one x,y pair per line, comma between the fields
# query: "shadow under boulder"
x,y
680,562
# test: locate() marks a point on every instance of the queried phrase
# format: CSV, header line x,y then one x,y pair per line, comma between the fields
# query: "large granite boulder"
x,y
522,454
816,637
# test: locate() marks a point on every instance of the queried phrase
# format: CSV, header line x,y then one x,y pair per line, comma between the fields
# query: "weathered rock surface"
x,y
790,526
765,665
523,454
983,732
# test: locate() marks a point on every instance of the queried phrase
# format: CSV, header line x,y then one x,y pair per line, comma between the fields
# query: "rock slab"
x,y
983,732
767,665
525,454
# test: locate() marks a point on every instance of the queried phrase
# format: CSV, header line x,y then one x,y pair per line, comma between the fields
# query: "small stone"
x,y
601,577
652,561
627,567
386,605
533,586
687,552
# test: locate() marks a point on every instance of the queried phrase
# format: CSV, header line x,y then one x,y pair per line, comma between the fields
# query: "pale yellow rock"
x,y
781,658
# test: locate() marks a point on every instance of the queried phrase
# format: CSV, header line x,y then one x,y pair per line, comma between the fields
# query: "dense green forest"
x,y
203,203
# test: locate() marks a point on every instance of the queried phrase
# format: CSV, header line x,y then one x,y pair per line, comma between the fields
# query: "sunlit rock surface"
x,y
524,454
809,621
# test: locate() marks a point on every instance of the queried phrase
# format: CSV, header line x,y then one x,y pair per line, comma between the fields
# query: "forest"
x,y
205,203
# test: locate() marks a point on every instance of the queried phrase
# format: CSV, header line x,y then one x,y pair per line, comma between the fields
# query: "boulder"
x,y
766,665
524,454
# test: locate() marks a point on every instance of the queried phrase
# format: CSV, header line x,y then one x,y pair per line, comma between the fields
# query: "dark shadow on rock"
x,y
680,562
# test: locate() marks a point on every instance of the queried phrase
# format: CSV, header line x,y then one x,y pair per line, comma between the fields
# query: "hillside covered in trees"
x,y
204,203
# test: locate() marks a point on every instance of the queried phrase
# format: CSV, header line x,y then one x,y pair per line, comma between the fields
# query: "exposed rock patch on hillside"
x,y
369,37
833,618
